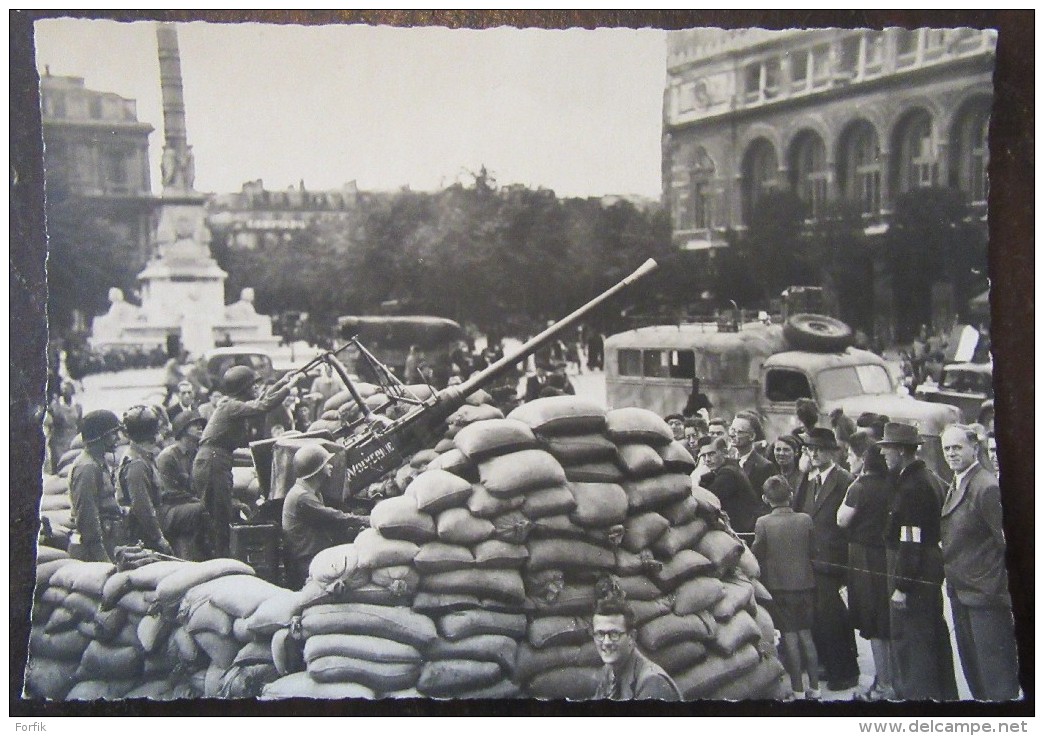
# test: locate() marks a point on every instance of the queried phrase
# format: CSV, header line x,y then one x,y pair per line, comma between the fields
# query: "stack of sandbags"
x,y
56,504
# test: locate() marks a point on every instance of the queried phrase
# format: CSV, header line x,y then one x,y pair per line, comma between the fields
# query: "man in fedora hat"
x,y
922,660
309,525
976,577
96,517
820,496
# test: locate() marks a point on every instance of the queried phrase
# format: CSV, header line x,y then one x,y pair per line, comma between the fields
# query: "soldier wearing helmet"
x,y
227,430
96,517
137,479
310,526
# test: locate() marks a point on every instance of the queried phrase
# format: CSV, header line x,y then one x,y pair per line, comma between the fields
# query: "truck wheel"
x,y
817,333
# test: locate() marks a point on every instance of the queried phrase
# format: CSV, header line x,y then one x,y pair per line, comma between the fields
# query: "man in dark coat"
x,y
820,496
976,576
745,430
922,660
726,481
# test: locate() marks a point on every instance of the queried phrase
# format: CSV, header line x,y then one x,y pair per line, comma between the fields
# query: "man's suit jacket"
x,y
758,470
973,541
831,541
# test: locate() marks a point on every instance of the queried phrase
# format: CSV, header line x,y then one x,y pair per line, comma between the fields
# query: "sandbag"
x,y
63,646
652,494
86,577
599,504
573,599
358,646
436,557
49,679
204,616
173,587
373,594
558,631
486,438
677,458
158,689
276,612
671,628
486,506
739,595
458,526
714,672
543,502
55,503
760,683
734,633
766,624
561,554
505,585
494,553
254,652
464,624
448,678
398,624
399,580
84,606
560,526
471,414
421,458
561,415
698,594
748,564
639,588
45,570
681,656
152,632
301,685
398,518
678,538
482,648
639,460
107,689
443,446
645,611
101,661
722,549
440,604
567,683
512,527
287,653
631,424
454,461
509,475
184,647
584,448
761,593
531,661
54,485
642,530
437,490
53,596
136,601
148,576
684,566
636,563
681,512
221,650
375,551
378,676
502,690
709,504
108,623
602,471
237,595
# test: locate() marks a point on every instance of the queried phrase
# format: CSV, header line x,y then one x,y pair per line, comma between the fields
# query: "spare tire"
x,y
817,333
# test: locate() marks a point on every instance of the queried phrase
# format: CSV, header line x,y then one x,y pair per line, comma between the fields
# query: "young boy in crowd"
x,y
784,548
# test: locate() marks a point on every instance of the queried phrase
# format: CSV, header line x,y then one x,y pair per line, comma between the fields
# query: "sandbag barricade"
x,y
477,581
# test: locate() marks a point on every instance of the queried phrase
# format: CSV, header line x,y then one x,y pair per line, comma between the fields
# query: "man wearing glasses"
x,y
627,673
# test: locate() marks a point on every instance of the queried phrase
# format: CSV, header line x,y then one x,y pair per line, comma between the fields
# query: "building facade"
x,y
831,115
258,217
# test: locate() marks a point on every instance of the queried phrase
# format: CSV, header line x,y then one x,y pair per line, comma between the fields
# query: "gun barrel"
x,y
533,344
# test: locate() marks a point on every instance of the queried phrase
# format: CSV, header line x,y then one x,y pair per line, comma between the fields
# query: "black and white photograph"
x,y
451,362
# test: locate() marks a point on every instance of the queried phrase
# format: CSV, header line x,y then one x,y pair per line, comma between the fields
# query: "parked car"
x,y
215,362
968,386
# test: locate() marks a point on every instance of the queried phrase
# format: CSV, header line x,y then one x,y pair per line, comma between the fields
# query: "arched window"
x,y
808,171
859,167
694,191
702,190
760,172
970,151
915,159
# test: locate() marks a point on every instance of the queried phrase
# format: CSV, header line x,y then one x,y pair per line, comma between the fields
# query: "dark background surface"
x,y
1011,263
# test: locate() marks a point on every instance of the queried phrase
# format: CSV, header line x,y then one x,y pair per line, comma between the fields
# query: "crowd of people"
x,y
854,532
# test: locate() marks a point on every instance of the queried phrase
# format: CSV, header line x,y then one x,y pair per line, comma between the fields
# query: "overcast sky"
x,y
576,111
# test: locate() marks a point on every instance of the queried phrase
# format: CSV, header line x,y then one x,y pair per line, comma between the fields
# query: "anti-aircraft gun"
x,y
373,445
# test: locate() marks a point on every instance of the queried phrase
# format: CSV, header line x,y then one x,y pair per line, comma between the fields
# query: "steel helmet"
x,y
310,459
238,379
186,419
141,423
98,424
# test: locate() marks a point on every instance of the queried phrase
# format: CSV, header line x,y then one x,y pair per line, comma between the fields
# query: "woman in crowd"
x,y
864,514
786,451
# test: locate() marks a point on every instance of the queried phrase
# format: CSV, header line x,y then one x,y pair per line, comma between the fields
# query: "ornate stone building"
x,y
828,114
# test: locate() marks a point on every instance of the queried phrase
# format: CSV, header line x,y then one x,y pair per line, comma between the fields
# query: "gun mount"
x,y
373,445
